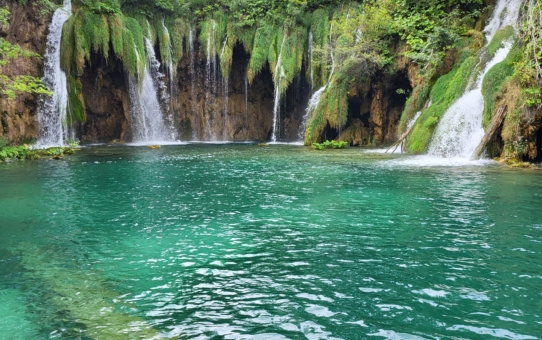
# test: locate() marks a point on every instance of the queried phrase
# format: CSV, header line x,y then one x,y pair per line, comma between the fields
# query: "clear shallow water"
x,y
280,242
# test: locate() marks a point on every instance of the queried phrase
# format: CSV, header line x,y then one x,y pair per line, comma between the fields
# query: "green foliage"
x,y
179,30
330,145
44,7
17,152
415,103
263,39
332,111
24,152
76,108
494,80
87,31
11,86
3,141
432,27
318,65
444,93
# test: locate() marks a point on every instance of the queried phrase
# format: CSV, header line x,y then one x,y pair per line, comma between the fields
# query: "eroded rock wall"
x,y
28,27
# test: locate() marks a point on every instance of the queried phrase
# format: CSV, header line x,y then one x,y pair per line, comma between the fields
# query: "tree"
x,y
11,86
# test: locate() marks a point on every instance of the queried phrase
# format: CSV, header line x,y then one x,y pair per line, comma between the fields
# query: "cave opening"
x,y
538,158
103,83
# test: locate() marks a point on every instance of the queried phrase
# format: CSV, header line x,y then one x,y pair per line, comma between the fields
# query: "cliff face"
x,y
28,28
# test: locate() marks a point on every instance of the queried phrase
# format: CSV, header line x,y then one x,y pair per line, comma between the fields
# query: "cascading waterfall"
x,y
313,103
460,129
171,70
279,75
149,122
315,98
193,76
52,113
225,83
311,43
211,77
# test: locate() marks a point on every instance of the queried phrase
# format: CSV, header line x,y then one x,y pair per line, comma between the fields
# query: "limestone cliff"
x,y
28,28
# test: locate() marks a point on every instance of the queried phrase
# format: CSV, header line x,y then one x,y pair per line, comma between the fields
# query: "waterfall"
x,y
148,120
193,76
311,43
52,117
313,103
460,130
172,72
211,78
170,67
315,98
226,87
279,74
246,107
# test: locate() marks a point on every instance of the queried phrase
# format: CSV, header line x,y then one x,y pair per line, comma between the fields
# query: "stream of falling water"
x,y
279,74
460,130
148,120
171,73
316,96
193,75
52,112
211,80
225,87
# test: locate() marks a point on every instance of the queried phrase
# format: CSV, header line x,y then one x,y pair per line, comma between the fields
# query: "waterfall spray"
x,y
54,127
279,75
148,121
460,130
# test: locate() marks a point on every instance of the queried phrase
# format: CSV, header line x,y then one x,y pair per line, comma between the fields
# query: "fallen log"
x,y
496,123
401,140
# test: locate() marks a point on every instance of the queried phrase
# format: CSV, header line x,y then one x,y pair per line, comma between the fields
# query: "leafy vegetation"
x,y
330,145
11,86
25,152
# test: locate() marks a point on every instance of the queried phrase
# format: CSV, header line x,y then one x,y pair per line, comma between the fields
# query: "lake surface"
x,y
280,242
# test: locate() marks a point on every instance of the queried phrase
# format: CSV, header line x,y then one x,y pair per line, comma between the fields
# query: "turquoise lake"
x,y
237,241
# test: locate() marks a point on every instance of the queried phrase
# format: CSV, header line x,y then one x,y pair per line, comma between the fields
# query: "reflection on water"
x,y
237,242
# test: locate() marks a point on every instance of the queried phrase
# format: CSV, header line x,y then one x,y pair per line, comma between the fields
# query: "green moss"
x,y
76,104
332,110
495,79
263,39
67,46
500,37
179,30
226,53
320,34
116,28
415,103
444,93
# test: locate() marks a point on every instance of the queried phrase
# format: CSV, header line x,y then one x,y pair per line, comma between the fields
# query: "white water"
x,y
312,105
460,130
211,80
413,120
316,96
225,89
246,107
311,43
171,69
506,13
279,74
195,120
52,117
148,120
